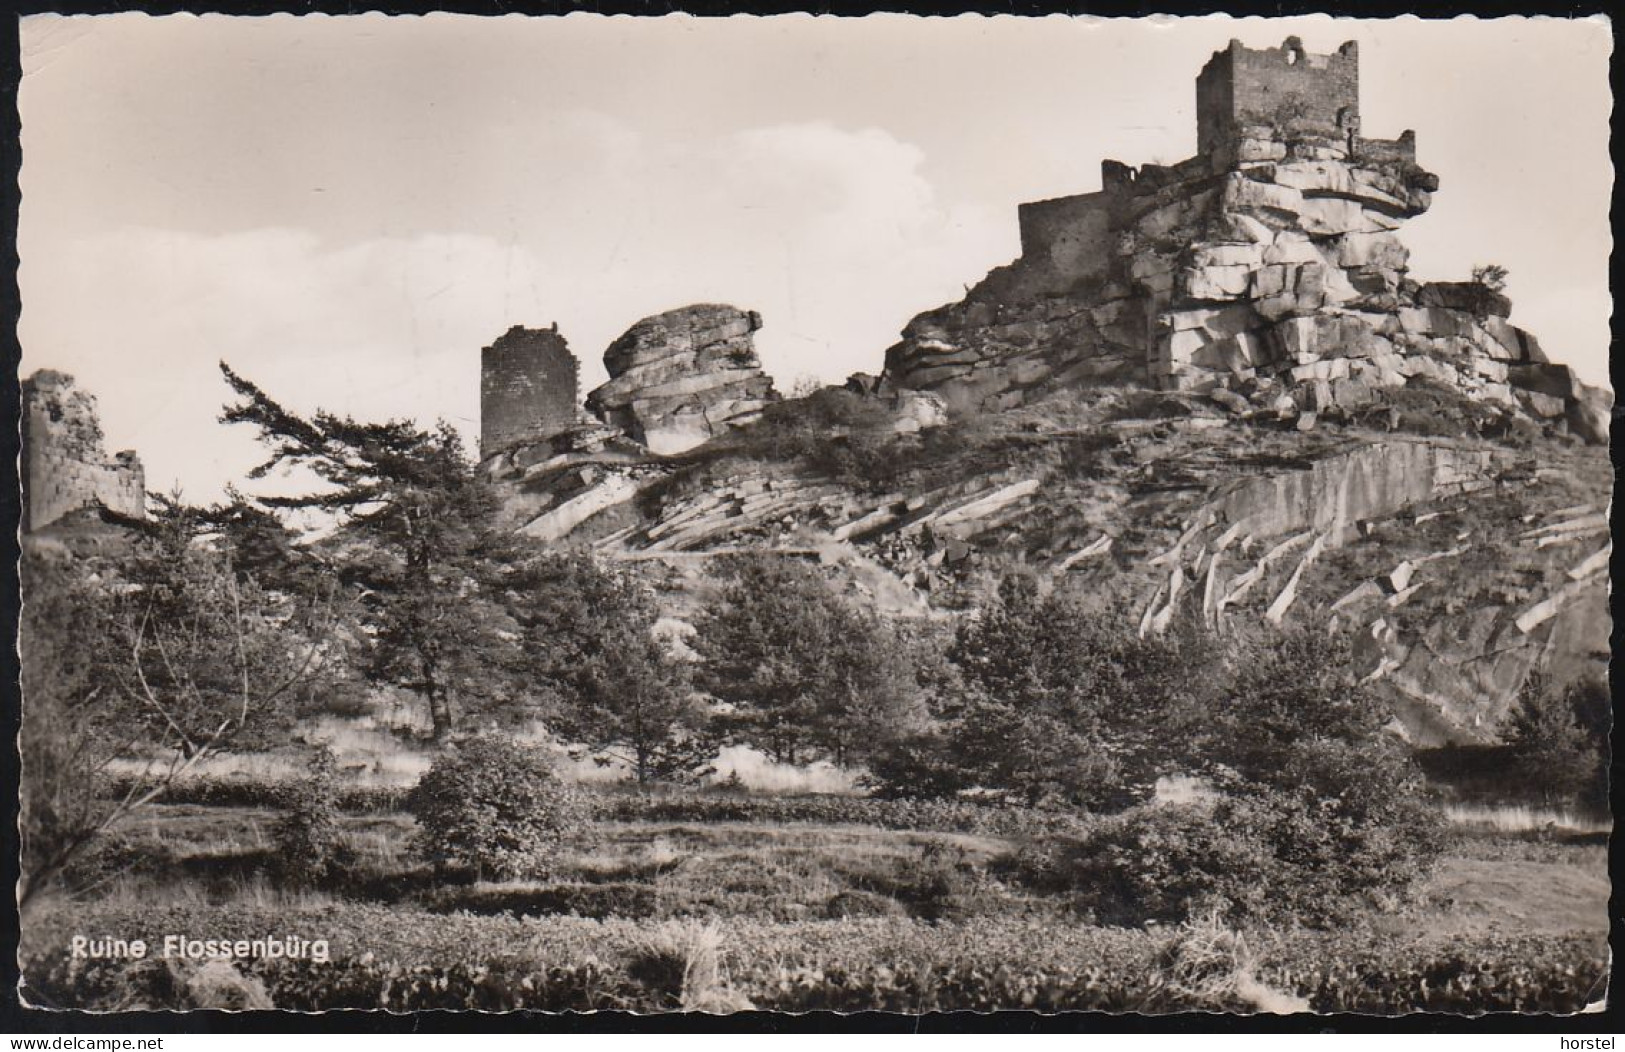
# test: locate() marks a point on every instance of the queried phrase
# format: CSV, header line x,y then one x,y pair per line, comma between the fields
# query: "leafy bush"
x,y
1261,853
1159,863
491,808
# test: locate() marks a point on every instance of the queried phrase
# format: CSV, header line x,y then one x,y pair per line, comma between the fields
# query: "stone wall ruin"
x,y
65,464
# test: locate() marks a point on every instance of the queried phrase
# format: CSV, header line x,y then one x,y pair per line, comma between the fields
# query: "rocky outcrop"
x,y
1256,290
65,465
679,379
1268,269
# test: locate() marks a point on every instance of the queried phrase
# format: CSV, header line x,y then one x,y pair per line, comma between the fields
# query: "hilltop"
x,y
1210,386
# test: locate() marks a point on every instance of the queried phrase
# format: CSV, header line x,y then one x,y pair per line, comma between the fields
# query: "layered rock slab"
x,y
682,378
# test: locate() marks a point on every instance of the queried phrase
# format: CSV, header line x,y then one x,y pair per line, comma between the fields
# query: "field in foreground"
x,y
647,913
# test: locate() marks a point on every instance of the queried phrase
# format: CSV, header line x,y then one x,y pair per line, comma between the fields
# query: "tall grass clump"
x,y
1207,966
680,965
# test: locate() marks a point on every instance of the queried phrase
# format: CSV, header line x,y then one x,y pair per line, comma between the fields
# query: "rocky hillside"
x,y
1267,271
1461,562
1209,389
1276,284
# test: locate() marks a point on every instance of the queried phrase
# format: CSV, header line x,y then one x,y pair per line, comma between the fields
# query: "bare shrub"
x,y
1206,966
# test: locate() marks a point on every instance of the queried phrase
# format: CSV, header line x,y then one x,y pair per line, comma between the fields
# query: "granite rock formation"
x,y
681,378
1211,389
1266,269
65,463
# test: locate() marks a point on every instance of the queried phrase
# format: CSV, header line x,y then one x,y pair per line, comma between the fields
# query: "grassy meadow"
x,y
735,899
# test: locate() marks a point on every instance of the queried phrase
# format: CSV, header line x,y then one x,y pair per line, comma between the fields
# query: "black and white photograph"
x,y
808,514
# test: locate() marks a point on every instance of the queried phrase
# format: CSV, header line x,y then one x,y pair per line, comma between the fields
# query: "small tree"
x,y
491,808
1551,753
806,674
636,706
1492,276
1062,702
309,842
589,638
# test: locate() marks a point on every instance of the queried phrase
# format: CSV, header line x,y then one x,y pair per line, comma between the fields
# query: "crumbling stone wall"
x,y
528,389
65,465
1075,234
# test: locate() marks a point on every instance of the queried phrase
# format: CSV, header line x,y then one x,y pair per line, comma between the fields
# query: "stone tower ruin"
x,y
65,465
1283,88
528,388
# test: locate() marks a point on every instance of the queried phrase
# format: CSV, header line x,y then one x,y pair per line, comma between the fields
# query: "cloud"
x,y
386,328
833,234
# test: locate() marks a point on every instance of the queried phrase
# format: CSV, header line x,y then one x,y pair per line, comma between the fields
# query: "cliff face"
x,y
1267,270
65,465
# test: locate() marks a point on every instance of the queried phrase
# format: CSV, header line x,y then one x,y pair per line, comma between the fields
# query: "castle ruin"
x,y
65,464
1249,104
1265,271
528,389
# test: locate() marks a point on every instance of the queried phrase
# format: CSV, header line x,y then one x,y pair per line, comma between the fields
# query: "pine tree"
x,y
418,543
589,634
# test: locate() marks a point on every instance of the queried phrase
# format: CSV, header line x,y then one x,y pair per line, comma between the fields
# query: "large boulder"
x,y
681,378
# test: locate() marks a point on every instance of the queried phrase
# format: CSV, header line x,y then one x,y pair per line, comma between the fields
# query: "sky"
x,y
346,209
